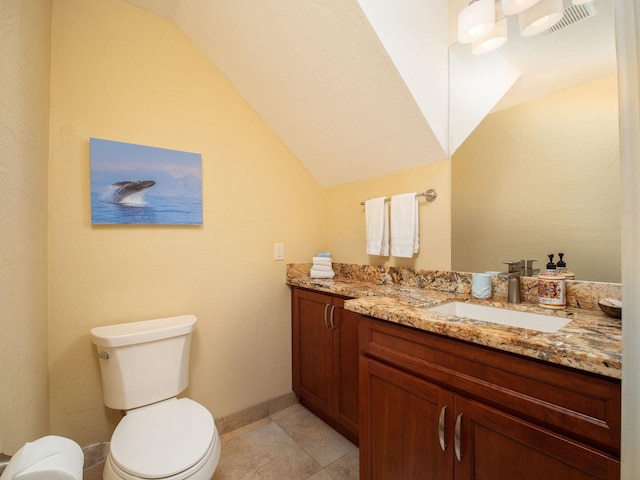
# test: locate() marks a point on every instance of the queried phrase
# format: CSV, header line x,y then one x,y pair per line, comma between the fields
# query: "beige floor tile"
x,y
346,467
317,438
321,475
247,428
266,453
287,411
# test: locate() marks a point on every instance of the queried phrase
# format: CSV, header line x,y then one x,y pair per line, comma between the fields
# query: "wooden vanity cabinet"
x,y
437,408
325,359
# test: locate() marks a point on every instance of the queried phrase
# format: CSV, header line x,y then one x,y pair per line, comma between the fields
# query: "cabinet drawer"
x,y
580,405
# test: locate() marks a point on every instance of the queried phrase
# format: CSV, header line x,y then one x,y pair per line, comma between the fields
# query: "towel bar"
x,y
430,195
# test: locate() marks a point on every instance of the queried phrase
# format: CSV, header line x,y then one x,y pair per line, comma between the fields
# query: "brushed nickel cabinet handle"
x,y
333,327
443,444
456,438
326,321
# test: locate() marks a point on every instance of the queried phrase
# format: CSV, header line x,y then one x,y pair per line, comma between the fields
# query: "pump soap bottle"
x,y
562,269
551,288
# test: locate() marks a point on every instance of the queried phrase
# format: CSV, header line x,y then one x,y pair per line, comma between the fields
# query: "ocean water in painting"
x,y
135,184
153,209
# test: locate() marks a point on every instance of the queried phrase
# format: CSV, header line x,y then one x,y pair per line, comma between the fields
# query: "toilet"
x,y
144,366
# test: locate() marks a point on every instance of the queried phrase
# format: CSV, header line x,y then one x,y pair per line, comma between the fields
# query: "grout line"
x,y
286,412
246,429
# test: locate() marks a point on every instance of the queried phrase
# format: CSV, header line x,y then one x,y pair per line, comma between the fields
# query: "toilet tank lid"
x,y
145,331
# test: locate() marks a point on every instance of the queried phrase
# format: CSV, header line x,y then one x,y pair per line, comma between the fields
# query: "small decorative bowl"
x,y
610,308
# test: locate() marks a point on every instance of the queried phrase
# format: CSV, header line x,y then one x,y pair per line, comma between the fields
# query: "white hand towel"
x,y
322,268
321,261
376,214
321,274
405,239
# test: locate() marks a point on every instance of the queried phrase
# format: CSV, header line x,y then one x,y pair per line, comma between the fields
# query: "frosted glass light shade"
x,y
581,2
511,7
476,20
494,39
540,17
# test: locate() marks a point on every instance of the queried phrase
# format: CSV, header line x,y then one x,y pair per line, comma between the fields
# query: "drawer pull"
x,y
326,321
443,444
456,438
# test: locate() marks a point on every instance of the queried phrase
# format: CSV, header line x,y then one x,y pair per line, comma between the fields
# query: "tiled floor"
x,y
292,444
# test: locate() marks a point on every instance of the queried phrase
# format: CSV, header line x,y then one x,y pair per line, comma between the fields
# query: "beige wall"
x,y
24,116
121,73
539,178
346,224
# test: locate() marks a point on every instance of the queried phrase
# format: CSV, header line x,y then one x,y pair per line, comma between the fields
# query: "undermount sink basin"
x,y
503,316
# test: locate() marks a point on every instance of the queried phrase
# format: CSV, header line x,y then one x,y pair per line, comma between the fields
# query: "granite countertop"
x,y
591,341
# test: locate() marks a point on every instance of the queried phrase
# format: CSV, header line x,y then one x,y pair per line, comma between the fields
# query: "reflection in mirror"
x,y
538,171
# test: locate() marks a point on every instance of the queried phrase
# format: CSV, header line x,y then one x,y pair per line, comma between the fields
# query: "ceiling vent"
x,y
572,15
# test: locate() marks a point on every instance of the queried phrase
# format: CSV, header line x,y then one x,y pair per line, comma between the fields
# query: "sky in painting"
x,y
176,173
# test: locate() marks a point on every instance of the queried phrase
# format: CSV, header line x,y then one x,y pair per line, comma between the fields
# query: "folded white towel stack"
x,y
376,214
322,267
405,239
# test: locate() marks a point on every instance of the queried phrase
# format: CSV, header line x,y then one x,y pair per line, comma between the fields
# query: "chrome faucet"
x,y
513,276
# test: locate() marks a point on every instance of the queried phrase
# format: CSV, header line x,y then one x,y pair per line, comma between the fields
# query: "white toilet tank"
x,y
144,362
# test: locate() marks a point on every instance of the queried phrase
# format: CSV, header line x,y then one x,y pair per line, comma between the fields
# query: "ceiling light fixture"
x,y
493,40
540,17
476,20
511,7
483,23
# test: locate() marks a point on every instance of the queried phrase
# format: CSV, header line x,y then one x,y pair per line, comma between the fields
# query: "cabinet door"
x,y
496,446
345,367
400,433
312,344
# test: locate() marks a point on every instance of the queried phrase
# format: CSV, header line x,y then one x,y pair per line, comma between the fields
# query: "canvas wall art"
x,y
137,184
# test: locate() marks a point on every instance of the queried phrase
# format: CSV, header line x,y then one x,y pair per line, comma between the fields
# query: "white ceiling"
x,y
319,75
359,88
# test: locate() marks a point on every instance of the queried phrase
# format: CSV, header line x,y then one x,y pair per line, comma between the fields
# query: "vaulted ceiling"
x,y
360,88
321,77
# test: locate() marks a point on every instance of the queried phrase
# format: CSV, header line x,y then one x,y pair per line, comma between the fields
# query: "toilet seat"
x,y
170,439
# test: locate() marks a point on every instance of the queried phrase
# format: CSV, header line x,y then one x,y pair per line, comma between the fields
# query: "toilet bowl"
x,y
144,366
175,439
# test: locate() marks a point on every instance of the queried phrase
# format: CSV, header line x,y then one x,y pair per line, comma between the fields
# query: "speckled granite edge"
x,y
580,294
591,341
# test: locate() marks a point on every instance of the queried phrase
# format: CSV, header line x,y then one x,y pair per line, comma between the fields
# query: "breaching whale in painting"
x,y
130,191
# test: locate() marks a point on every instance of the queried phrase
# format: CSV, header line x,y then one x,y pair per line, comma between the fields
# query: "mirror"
x,y
535,163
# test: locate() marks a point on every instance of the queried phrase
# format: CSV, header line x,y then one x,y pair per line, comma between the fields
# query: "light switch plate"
x,y
278,251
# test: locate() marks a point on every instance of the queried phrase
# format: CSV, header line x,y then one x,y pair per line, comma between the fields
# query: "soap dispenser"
x,y
562,269
551,287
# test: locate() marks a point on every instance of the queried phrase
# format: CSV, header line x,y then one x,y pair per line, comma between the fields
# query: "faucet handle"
x,y
526,267
514,266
